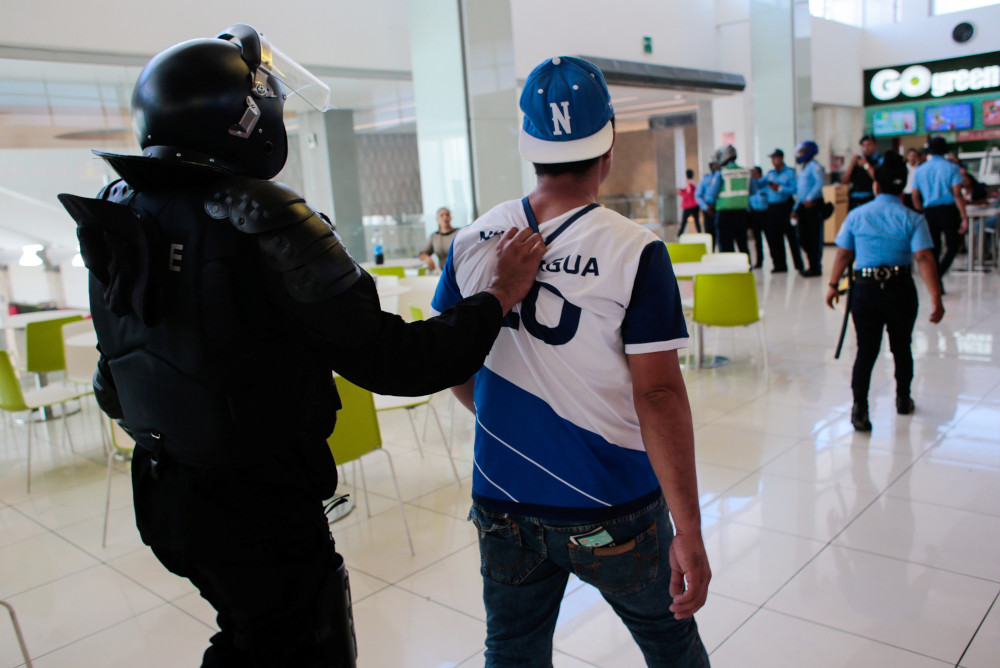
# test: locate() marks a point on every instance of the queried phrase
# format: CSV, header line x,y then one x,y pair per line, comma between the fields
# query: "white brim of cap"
x,y
544,152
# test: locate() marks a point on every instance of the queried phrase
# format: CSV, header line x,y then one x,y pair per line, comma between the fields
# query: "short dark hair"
x,y
868,138
578,168
690,173
891,175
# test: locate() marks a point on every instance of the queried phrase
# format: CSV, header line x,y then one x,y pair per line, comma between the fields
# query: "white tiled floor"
x,y
829,548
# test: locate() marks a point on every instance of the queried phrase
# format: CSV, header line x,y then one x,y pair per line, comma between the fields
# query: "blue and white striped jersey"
x,y
557,433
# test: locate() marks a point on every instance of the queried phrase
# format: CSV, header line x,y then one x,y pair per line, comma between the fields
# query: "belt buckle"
x,y
882,273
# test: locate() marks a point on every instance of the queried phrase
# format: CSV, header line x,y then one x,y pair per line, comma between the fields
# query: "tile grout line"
x,y
976,632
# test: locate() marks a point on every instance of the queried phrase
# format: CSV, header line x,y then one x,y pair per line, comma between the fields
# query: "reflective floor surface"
x,y
829,548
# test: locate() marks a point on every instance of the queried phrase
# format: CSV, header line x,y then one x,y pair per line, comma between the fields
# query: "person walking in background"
x,y
937,192
439,243
580,481
689,205
883,239
860,173
758,211
809,208
707,208
781,184
913,160
730,195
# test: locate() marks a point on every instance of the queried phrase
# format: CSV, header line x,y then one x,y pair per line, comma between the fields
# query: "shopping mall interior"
x,y
829,547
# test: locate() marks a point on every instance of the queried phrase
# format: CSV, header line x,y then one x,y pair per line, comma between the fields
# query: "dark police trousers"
x,y
875,306
777,227
811,234
944,219
260,553
732,225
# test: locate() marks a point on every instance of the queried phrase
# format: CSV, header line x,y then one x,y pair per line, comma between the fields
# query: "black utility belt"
x,y
883,273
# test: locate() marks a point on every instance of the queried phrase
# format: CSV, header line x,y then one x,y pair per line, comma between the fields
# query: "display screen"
x,y
896,122
948,117
991,112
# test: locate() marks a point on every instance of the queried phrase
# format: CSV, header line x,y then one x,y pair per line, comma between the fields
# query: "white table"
x,y
686,270
409,264
388,294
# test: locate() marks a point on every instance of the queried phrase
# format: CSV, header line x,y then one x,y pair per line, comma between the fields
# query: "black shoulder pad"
x,y
254,205
294,239
118,192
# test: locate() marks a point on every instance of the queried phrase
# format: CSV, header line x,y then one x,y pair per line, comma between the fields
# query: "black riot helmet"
x,y
220,101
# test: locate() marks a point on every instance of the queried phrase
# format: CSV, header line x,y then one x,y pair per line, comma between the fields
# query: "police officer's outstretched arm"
x,y
381,352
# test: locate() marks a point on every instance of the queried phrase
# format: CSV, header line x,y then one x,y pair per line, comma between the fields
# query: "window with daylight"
x,y
949,6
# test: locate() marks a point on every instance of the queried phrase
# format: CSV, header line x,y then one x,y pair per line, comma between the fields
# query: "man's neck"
x,y
555,195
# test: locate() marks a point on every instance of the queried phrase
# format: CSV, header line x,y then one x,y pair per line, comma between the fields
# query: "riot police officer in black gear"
x,y
222,301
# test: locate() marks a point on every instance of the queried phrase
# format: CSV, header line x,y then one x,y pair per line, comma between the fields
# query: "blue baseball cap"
x,y
567,112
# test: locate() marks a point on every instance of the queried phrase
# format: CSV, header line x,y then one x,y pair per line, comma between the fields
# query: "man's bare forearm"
x,y
668,435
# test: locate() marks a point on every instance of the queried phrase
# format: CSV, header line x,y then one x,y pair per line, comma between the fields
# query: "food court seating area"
x,y
867,550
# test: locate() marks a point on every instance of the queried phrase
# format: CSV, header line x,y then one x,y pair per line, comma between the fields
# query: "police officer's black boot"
x,y
859,418
904,405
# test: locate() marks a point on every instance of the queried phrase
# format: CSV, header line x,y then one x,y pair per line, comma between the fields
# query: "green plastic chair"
x,y
727,300
391,270
685,252
43,345
15,400
416,313
357,433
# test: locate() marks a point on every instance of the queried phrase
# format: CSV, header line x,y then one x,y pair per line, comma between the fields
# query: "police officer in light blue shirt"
x,y
758,211
883,238
701,195
809,207
937,191
780,193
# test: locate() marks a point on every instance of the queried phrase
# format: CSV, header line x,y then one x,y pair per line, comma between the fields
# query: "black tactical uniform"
x,y
222,302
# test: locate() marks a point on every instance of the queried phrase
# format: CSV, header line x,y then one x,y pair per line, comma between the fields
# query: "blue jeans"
x,y
526,562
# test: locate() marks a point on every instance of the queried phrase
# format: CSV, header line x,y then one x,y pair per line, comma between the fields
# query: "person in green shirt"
x,y
730,194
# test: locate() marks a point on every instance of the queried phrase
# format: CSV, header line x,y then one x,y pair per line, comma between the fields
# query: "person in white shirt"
x,y
583,428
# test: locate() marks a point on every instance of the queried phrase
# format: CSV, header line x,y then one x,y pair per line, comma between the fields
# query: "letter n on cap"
x,y
560,118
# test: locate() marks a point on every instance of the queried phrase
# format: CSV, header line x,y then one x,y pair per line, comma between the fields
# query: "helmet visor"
x,y
296,79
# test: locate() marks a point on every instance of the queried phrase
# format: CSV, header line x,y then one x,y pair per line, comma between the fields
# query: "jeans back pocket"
x,y
618,570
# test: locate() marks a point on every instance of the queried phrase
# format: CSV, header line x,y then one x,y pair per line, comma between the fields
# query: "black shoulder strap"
x,y
533,222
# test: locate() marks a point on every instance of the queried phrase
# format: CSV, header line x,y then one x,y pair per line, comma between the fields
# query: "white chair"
x,y
697,238
122,446
15,400
385,403
17,632
81,359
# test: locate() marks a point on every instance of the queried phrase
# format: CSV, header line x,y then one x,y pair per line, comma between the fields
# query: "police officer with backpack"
x,y
222,302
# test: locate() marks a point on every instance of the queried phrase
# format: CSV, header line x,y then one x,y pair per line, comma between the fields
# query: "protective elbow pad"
x,y
294,239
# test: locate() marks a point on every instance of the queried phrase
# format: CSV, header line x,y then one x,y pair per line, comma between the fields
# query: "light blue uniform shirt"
x,y
934,179
883,232
786,185
810,183
758,194
703,189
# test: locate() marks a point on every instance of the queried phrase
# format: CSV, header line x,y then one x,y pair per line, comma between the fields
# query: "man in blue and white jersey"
x,y
583,427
